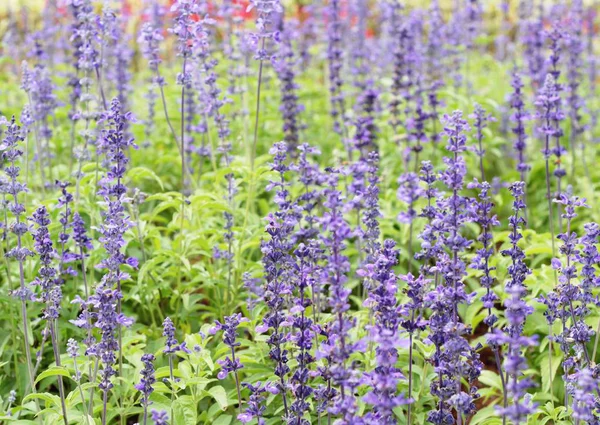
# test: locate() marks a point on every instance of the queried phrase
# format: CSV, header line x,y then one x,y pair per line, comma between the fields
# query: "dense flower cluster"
x,y
270,247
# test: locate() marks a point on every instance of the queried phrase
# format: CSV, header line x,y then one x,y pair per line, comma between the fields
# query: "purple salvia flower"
x,y
303,333
83,243
256,291
149,40
371,213
429,236
149,125
229,328
383,380
66,256
312,179
418,134
51,292
519,116
575,102
412,318
584,400
516,312
184,28
160,417
481,261
533,39
285,65
107,300
366,130
172,346
589,257
147,380
277,266
335,62
338,347
409,192
85,39
568,301
556,35
546,102
265,12
42,102
454,358
47,277
402,72
11,154
255,407
155,12
214,100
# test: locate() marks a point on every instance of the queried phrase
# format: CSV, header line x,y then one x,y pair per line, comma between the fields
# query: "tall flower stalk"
x,y
383,380
107,299
11,154
517,407
265,10
231,364
51,292
145,386
546,100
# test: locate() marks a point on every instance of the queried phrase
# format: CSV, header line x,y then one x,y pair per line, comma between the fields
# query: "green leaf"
x,y
184,411
220,396
547,375
47,397
54,371
143,172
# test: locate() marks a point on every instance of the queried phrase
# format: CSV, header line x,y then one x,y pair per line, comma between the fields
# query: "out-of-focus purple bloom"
x,y
533,39
255,289
519,116
556,35
481,118
184,28
285,65
584,396
575,49
160,417
409,192
335,62
265,12
149,40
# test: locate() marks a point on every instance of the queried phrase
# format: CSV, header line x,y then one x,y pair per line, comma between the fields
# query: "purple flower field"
x,y
302,212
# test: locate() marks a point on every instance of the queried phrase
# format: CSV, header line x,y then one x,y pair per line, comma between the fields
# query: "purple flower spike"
x,y
229,328
160,417
147,380
516,312
47,278
383,380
